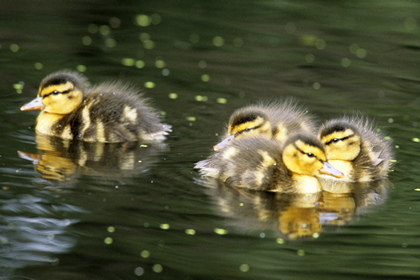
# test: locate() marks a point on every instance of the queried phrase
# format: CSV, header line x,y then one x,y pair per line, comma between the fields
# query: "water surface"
x,y
77,211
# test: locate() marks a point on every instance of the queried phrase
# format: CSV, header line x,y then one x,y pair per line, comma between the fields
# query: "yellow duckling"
x,y
278,120
356,149
109,112
261,164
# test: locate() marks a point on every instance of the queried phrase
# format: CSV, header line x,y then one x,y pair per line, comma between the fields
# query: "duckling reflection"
x,y
61,159
294,216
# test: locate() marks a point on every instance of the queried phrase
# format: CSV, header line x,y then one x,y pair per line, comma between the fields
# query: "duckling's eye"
x,y
55,92
311,155
335,140
247,129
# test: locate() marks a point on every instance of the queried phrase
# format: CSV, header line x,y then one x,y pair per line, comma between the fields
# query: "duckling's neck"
x,y
46,122
305,184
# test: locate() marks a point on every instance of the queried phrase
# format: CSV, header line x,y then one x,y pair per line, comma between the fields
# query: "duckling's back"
x,y
114,112
289,118
253,163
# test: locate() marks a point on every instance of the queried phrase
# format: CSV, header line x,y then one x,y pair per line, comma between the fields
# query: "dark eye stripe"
x,y
247,129
339,139
311,155
56,92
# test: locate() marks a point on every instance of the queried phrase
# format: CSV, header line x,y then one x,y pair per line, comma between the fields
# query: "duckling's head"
x,y
303,154
59,93
341,139
246,122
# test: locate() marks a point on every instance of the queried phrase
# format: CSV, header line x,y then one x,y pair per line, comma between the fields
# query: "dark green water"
x,y
113,212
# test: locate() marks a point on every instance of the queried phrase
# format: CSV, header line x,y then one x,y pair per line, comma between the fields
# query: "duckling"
x,y
262,164
109,112
277,120
356,149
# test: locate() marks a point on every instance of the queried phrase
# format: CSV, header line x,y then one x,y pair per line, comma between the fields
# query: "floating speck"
x,y
139,271
160,63
164,226
86,40
143,20
221,100
218,41
300,253
81,68
200,98
191,119
309,58
157,268
14,47
140,64
205,78
165,72
110,229
315,235
126,61
104,30
345,62
108,240
416,140
114,22
38,65
280,240
220,231
308,40
316,85
190,231
173,95
110,42
149,84
18,86
148,44
202,64
244,267
361,53
143,146
145,254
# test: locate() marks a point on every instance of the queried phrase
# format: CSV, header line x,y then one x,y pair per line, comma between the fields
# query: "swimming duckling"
x,y
278,120
109,112
356,149
261,164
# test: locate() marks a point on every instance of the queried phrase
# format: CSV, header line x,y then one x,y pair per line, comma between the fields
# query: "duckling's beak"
x,y
328,169
35,104
226,142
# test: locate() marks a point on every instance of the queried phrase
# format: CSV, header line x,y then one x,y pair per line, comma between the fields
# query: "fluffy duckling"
x,y
109,112
356,149
278,120
261,164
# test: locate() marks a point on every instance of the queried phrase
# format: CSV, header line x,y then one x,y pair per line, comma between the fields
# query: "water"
x,y
77,211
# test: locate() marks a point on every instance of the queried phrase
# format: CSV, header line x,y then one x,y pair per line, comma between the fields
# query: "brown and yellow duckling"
x,y
262,164
356,149
109,112
277,120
